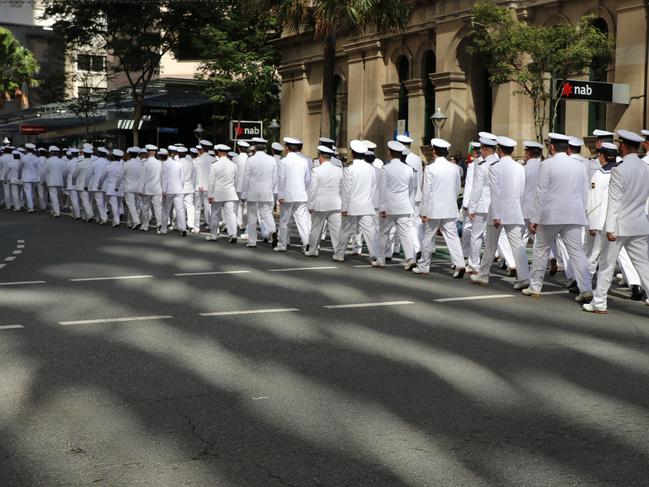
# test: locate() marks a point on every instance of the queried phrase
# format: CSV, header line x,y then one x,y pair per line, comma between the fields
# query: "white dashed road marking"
x,y
9,259
367,305
11,327
21,283
215,273
303,269
249,312
475,298
81,279
115,320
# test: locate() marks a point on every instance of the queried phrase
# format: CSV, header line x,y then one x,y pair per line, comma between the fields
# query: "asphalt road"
x,y
239,367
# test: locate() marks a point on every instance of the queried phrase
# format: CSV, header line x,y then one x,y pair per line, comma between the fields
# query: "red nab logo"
x,y
566,90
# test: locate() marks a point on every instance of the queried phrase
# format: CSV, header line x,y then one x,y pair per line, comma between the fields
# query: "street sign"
x,y
245,129
168,130
32,129
596,91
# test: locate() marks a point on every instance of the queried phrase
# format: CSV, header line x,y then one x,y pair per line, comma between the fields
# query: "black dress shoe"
x,y
418,256
273,240
232,240
183,233
636,293
388,260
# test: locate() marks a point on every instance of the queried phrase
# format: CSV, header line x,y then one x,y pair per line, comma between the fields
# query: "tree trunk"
x,y
138,98
327,83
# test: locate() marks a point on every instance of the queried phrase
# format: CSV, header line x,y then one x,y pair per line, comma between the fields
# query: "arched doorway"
x,y
598,72
428,68
480,88
403,69
339,109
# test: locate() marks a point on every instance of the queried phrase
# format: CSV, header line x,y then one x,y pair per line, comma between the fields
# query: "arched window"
x,y
403,68
428,67
598,72
338,112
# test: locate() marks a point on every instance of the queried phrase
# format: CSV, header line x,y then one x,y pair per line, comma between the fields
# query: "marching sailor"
x,y
131,176
151,187
222,194
172,180
53,173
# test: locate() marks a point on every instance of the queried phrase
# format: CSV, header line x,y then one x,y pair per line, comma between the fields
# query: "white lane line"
x,y
11,327
303,269
2,265
249,312
80,279
475,298
550,293
20,283
17,252
361,266
21,246
215,273
367,305
115,320
9,259
20,241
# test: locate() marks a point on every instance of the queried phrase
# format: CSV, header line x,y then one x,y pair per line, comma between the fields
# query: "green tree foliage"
x,y
239,63
17,66
329,18
533,56
136,34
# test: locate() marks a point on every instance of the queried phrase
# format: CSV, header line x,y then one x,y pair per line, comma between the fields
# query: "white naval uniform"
x,y
30,177
13,175
108,184
151,191
189,188
241,208
98,167
467,224
223,192
73,194
131,177
172,180
81,177
53,172
414,161
442,184
596,214
506,190
202,163
358,195
257,189
5,160
560,209
325,204
293,178
479,206
40,187
397,188
531,167
626,218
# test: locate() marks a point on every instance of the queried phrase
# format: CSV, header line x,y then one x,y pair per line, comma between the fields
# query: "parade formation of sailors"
x,y
589,216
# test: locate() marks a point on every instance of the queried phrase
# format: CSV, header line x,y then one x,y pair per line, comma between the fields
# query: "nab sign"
x,y
245,129
572,89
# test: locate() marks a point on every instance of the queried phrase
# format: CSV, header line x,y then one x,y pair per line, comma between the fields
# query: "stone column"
x,y
416,112
451,97
293,100
391,103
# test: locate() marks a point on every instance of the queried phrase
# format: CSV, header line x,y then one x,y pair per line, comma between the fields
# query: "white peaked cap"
x,y
358,146
206,143
193,150
645,132
232,154
277,146
181,150
41,149
16,152
292,141
609,146
325,150
558,137
242,143
326,140
54,148
103,150
488,142
602,133
532,144
404,139
118,152
486,135
576,142
210,152
503,141
370,152
74,150
87,150
396,146
258,140
441,143
68,153
629,136
143,150
370,145
172,148
133,150
150,147
29,145
222,148
476,145
163,152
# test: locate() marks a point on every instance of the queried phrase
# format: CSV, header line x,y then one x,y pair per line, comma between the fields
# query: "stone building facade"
x,y
382,79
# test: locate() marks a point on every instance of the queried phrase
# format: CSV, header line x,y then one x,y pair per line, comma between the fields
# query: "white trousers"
x,y
201,205
477,236
242,212
629,272
190,210
368,228
174,201
298,210
42,195
467,227
505,250
54,192
319,219
149,201
593,249
449,232
113,202
264,211
28,188
571,236
403,226
98,196
638,250
514,236
132,202
84,196
15,196
6,189
417,228
73,195
223,210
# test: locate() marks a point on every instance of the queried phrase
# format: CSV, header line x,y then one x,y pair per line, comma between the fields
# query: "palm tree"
x,y
330,18
17,67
